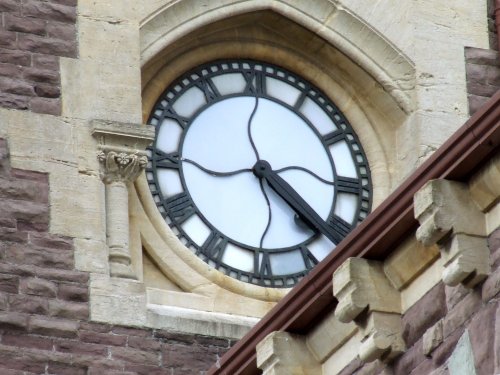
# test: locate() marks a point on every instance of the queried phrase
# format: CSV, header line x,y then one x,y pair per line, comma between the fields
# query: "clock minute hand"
x,y
262,169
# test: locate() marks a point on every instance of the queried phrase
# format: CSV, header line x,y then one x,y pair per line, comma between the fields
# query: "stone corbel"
x,y
367,298
122,157
282,353
449,218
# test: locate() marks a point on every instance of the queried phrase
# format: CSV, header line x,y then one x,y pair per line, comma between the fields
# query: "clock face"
x,y
255,170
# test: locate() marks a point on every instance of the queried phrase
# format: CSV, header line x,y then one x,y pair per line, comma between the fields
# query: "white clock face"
x,y
215,126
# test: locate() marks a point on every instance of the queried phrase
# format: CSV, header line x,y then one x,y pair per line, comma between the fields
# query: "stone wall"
x,y
44,302
33,35
447,325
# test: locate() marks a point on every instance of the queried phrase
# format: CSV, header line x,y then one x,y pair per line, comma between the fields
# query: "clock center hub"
x,y
260,168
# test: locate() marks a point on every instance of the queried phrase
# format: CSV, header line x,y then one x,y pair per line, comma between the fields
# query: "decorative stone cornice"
x,y
367,298
283,353
449,218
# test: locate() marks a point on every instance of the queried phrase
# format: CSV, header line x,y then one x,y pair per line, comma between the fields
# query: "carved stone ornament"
x,y
122,158
450,218
121,166
367,298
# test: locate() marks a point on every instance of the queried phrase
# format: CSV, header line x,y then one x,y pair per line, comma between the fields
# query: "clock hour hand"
x,y
262,169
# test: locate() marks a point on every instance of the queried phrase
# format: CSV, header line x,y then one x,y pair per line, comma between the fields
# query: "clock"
x,y
255,170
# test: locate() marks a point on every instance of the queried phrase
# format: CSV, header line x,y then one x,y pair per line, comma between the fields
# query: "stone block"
x,y
281,353
24,24
9,283
53,327
13,320
461,313
484,185
136,356
28,304
482,337
69,310
102,338
73,292
27,341
359,284
432,338
49,11
38,287
80,348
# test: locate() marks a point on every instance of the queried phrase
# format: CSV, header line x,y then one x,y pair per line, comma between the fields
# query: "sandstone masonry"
x,y
33,35
44,302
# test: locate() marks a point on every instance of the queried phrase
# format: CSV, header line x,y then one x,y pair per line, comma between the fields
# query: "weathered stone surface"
x,y
69,310
38,287
24,24
13,320
49,11
432,338
53,327
29,304
27,341
409,360
482,338
461,313
50,106
424,314
461,360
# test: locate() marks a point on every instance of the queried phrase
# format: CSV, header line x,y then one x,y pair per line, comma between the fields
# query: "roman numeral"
x,y
339,226
348,185
214,246
180,207
256,82
163,160
264,269
333,137
309,259
181,120
209,89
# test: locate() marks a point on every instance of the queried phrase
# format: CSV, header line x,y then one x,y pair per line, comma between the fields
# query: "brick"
x,y
424,314
12,320
11,70
18,189
147,370
8,223
95,327
70,310
27,341
174,338
32,227
413,357
135,356
71,292
41,75
30,175
65,2
475,73
441,354
144,344
38,287
63,31
24,24
46,62
49,46
6,371
53,327
51,241
80,348
13,101
13,235
491,287
107,366
461,313
132,331
46,105
48,91
481,56
454,294
3,301
9,283
196,357
481,89
15,57
66,369
10,5
24,210
16,86
28,304
482,337
49,11
213,341
102,338
8,39
22,362
48,258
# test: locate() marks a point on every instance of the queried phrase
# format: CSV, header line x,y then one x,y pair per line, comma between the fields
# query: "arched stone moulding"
x,y
313,41
340,28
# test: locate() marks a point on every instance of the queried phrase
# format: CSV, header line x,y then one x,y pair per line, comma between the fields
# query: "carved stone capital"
x,y
366,297
450,218
121,166
282,353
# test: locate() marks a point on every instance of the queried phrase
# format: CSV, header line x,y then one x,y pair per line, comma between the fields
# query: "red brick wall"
x,y
33,35
44,306
457,309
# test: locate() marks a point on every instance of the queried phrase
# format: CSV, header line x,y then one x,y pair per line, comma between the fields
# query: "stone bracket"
x,y
283,353
122,158
449,218
366,297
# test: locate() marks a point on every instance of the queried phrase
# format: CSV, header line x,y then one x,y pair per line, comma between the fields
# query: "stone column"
x,y
122,159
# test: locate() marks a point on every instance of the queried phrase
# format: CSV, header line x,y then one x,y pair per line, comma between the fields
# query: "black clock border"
x,y
212,250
